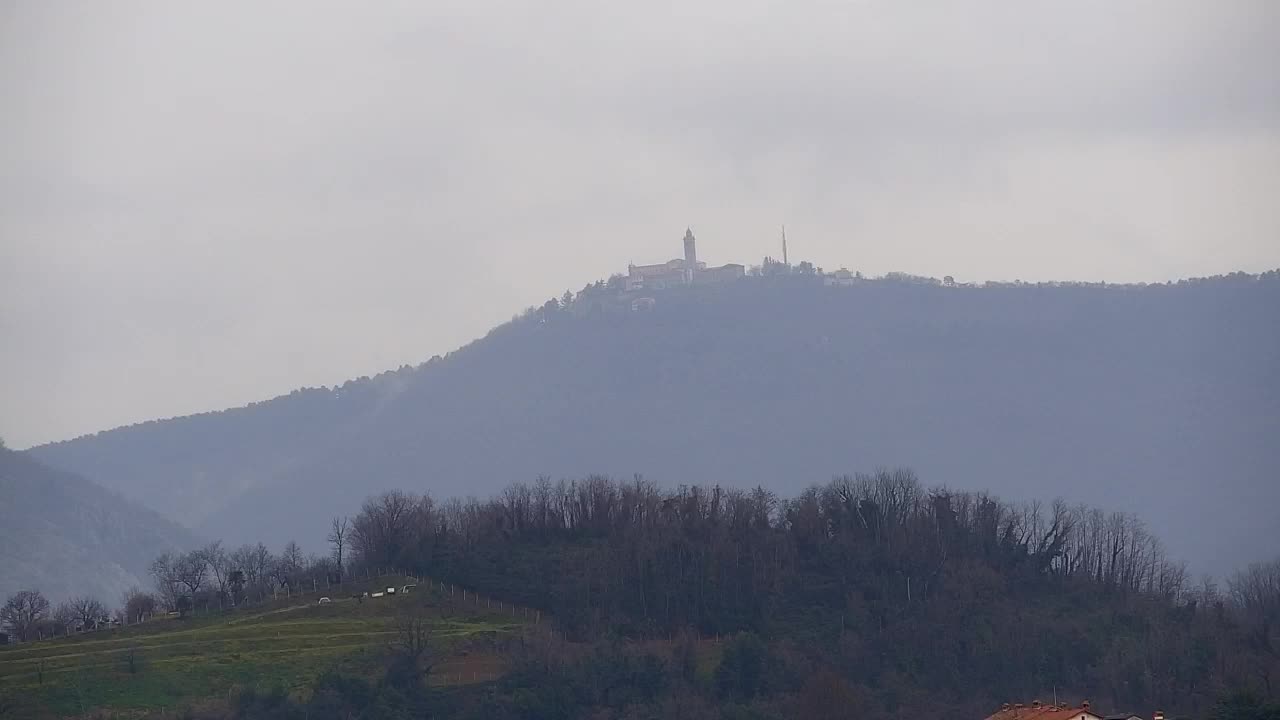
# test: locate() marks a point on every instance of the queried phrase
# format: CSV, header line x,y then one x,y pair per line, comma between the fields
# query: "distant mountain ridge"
x,y
65,536
1160,399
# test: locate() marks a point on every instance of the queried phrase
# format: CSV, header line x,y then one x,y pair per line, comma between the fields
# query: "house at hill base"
x,y
1041,711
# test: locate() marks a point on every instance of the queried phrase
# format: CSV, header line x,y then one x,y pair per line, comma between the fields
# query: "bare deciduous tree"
x,y
179,575
219,564
380,533
411,647
23,611
165,572
192,571
287,568
1256,589
338,533
137,605
255,562
64,618
88,612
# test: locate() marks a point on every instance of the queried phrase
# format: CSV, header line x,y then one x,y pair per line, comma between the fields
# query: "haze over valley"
x,y
1140,399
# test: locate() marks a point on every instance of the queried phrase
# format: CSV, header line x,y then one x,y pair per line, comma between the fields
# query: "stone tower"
x,y
690,250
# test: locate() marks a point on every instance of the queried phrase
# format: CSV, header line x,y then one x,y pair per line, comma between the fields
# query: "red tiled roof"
x,y
1045,712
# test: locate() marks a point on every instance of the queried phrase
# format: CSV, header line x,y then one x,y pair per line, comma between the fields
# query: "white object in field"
x,y
324,600
407,588
377,595
391,591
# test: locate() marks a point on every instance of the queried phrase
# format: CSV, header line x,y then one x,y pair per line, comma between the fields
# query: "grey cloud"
x,y
202,205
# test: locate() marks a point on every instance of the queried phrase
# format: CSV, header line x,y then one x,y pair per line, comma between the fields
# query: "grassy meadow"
x,y
169,664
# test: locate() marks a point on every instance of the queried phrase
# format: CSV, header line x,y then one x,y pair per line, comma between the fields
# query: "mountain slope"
x,y
65,536
1160,399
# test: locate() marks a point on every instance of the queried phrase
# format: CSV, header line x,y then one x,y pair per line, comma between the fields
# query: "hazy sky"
x,y
204,204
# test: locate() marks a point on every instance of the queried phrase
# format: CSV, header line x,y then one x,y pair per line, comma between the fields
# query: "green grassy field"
x,y
168,664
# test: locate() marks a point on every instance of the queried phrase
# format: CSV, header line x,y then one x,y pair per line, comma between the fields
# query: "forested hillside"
x,y
65,536
867,598
1160,399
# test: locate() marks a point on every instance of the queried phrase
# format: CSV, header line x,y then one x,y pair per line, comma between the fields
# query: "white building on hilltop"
x,y
842,277
680,271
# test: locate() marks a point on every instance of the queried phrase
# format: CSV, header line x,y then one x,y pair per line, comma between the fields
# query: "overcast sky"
x,y
205,204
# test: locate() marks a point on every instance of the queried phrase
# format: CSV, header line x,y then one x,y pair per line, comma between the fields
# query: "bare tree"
x,y
64,617
1254,595
192,571
242,559
88,611
180,575
1256,591
380,533
338,533
254,562
287,569
219,563
23,611
411,647
165,572
261,563
137,605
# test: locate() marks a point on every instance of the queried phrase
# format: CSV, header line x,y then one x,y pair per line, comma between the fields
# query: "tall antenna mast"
x,y
784,246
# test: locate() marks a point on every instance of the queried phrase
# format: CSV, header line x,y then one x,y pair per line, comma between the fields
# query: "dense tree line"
x,y
201,580
903,592
212,577
870,592
868,597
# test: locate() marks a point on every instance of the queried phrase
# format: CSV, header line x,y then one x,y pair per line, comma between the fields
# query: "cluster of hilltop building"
x,y
680,271
639,287
690,271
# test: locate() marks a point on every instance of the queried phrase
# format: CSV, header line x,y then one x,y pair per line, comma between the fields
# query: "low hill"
x,y
871,597
182,663
1161,399
66,536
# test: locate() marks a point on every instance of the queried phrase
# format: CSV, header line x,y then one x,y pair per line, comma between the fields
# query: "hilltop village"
x,y
680,271
640,287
